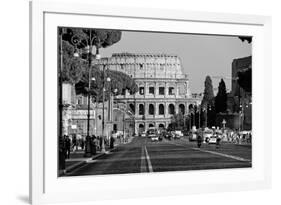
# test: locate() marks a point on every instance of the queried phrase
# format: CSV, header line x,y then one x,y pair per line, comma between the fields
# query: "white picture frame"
x,y
46,187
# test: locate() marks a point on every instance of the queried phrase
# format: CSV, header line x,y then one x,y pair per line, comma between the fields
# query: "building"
x,y
239,100
163,90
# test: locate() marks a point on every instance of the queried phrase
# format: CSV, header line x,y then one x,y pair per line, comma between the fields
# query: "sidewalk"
x,y
77,158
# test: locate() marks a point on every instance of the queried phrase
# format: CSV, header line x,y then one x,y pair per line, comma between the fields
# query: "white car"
x,y
207,135
212,140
154,138
143,134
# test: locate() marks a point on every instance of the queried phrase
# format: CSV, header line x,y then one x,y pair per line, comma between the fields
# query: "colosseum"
x,y
163,90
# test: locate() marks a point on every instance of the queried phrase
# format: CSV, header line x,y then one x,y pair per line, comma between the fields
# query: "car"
x,y
212,140
152,133
143,134
178,134
207,135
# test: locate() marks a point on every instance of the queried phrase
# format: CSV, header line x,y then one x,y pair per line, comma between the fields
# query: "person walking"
x,y
218,142
93,145
67,147
199,140
62,153
74,143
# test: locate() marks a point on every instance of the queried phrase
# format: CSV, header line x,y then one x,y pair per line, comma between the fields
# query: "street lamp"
x,y
89,50
103,101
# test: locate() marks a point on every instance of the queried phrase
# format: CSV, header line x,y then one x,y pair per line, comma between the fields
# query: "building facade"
x,y
163,90
239,100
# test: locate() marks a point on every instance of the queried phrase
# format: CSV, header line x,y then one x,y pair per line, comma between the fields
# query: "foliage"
x,y
245,38
71,68
245,80
221,98
76,70
83,37
119,82
208,98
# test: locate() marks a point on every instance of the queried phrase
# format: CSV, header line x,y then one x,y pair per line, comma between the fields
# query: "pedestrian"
x,y
74,143
82,144
93,145
100,143
111,142
62,153
199,140
218,142
67,146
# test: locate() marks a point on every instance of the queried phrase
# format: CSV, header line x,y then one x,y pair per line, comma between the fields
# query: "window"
x,y
171,90
182,108
161,109
171,109
141,109
161,91
141,90
151,90
151,109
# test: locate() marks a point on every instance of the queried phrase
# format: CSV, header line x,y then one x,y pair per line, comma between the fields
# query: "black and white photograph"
x,y
134,102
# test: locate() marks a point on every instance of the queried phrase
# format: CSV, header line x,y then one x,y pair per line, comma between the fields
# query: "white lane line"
x,y
150,169
217,153
223,155
143,159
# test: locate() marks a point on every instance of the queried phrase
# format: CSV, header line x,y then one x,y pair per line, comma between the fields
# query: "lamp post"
x,y
103,101
89,48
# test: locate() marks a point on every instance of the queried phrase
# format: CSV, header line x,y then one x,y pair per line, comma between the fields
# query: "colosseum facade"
x,y
163,89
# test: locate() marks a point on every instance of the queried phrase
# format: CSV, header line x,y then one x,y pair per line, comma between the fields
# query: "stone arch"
x,y
151,125
161,109
182,109
171,109
141,109
141,128
161,126
151,109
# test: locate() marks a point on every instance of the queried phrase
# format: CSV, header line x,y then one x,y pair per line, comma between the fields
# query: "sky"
x,y
201,55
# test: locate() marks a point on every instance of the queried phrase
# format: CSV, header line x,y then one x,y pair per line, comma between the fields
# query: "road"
x,y
142,155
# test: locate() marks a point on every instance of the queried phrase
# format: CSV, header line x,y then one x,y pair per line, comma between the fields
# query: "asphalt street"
x,y
143,155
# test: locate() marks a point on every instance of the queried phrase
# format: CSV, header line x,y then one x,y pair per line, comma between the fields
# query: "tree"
x,y
85,38
221,98
208,102
119,81
72,68
76,70
208,98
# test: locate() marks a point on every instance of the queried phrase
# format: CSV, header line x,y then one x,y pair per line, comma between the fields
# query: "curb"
x,y
80,164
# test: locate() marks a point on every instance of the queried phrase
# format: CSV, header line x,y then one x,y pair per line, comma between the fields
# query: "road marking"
x,y
150,169
143,160
224,155
216,153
